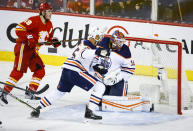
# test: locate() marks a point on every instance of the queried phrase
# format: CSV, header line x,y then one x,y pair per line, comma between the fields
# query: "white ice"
x,y
67,113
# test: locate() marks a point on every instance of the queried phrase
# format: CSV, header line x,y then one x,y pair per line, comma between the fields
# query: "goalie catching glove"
x,y
55,42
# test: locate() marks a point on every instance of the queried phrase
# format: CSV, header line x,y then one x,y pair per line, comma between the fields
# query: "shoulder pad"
x,y
89,44
125,52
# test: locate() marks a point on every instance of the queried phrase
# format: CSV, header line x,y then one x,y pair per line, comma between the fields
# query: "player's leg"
x,y
86,82
65,85
21,62
37,67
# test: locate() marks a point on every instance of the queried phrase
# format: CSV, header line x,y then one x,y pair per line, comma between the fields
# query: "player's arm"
x,y
127,68
24,32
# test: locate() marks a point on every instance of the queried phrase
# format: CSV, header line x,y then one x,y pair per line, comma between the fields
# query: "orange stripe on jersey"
x,y
35,78
7,82
130,70
20,27
14,80
97,101
20,57
45,102
125,88
88,78
34,83
77,64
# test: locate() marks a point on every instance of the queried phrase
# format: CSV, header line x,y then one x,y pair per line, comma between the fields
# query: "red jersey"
x,y
40,31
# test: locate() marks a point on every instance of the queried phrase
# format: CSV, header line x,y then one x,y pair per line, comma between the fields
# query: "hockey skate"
x,y
30,95
3,96
152,108
36,113
90,115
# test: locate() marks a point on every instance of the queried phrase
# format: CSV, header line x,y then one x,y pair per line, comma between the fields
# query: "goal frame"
x,y
179,66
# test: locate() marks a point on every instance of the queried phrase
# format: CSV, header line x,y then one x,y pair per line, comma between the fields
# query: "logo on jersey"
x,y
105,62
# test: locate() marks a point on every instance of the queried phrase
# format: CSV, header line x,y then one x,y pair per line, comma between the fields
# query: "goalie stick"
x,y
20,100
34,92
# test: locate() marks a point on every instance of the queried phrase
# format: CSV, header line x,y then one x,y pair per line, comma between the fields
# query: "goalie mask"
x,y
117,39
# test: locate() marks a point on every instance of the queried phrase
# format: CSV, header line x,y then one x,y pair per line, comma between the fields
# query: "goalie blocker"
x,y
126,103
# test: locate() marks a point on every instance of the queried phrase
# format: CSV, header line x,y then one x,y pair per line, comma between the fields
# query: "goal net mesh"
x,y
159,73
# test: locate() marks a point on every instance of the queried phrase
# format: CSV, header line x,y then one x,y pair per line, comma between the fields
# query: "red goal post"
x,y
179,63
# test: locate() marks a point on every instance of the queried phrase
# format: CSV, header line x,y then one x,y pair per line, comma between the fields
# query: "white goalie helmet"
x,y
97,33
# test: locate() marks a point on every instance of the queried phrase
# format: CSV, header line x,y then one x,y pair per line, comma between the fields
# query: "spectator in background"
x,y
128,7
23,4
117,8
37,3
3,3
74,6
57,5
103,8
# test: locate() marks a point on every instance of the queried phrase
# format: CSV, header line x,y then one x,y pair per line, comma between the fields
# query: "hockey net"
x,y
159,73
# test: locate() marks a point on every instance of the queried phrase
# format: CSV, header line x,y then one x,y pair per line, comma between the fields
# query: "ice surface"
x,y
67,113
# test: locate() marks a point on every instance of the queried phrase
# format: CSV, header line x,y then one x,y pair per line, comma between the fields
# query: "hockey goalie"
x,y
114,68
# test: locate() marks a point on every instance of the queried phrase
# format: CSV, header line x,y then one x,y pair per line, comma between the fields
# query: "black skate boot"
x,y
3,96
152,108
30,95
36,113
90,115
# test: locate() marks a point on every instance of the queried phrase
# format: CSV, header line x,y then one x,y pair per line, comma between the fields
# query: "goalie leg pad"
x,y
125,103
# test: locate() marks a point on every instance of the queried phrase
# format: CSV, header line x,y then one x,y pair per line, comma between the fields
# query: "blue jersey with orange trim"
x,y
106,43
118,59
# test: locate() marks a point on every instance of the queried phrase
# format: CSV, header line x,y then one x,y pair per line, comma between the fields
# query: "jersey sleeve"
x,y
24,28
127,68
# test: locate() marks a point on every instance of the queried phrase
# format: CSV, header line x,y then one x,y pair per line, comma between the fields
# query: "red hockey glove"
x,y
31,41
55,42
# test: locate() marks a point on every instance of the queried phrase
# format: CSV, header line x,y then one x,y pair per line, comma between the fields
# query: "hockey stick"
x,y
47,43
20,100
34,92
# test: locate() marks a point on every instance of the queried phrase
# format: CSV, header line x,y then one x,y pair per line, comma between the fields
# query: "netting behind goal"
x,y
158,71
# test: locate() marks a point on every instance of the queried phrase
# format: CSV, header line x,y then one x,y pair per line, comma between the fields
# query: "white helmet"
x,y
94,31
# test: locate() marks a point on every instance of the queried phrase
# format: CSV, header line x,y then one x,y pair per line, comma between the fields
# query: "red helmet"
x,y
45,6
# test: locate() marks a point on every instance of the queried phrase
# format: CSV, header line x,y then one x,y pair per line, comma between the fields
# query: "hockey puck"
x,y
0,122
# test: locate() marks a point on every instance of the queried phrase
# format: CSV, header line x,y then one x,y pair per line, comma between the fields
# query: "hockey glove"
x,y
112,80
100,69
31,41
102,52
55,42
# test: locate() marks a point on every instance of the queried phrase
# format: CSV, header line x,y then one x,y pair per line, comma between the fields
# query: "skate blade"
x,y
87,121
1,103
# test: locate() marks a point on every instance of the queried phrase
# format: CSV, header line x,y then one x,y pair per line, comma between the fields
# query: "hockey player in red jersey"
x,y
34,30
